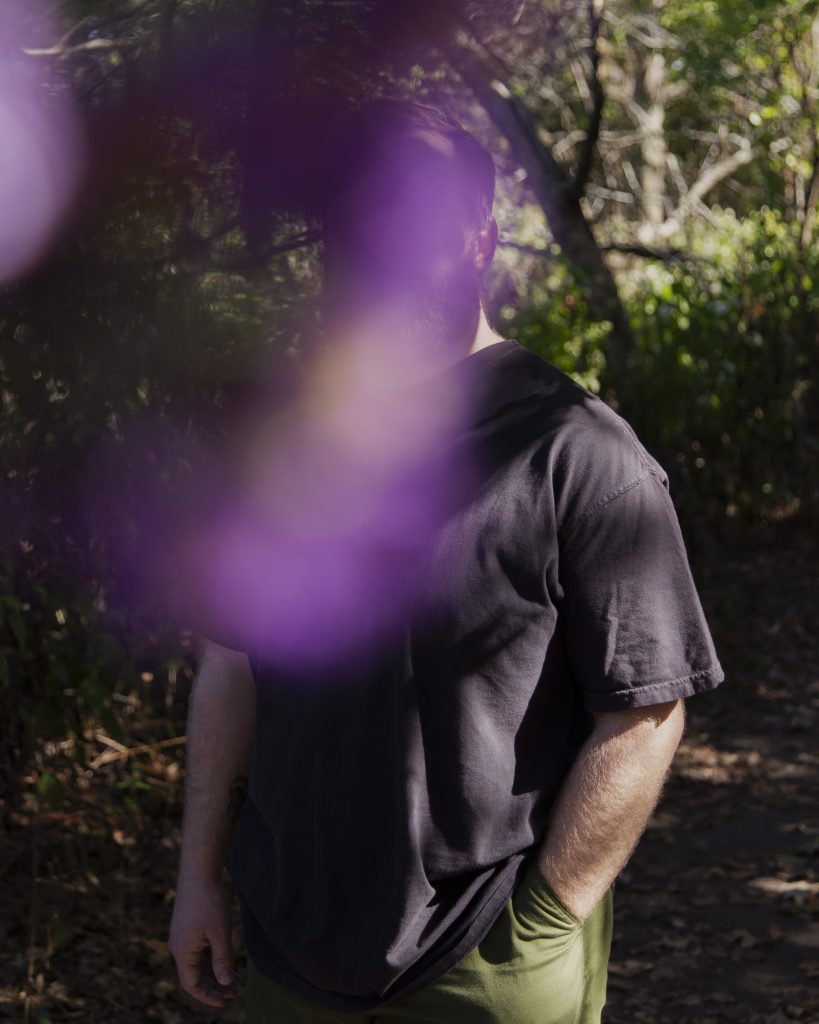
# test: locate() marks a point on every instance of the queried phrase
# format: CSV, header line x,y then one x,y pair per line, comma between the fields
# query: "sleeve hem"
x,y
637,695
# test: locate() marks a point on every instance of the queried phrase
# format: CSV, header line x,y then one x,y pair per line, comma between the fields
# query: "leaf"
x,y
51,789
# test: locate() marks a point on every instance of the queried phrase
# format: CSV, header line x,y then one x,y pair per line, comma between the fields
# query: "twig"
x,y
632,249
647,251
598,99
61,51
114,744
121,755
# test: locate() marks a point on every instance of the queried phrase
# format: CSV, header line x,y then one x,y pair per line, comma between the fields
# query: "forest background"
x,y
658,183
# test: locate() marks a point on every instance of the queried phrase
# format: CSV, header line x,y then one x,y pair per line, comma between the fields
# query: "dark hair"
x,y
359,132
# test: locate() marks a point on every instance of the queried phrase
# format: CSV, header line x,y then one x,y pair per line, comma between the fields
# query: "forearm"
x,y
221,722
606,800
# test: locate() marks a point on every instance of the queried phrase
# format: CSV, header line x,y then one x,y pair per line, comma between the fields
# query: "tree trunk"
x,y
558,198
654,149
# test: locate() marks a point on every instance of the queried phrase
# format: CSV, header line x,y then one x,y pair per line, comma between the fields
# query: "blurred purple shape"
x,y
41,142
315,563
307,549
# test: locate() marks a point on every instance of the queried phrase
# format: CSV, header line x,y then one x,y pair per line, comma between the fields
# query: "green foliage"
x,y
170,291
50,789
725,361
134,788
721,379
557,325
61,666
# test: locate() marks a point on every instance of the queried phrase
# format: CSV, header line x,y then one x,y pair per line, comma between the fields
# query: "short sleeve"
x,y
635,630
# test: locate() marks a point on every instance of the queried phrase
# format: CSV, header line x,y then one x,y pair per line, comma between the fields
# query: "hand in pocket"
x,y
539,907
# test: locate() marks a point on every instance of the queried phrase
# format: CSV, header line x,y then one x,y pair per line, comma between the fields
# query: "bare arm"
x,y
221,722
606,800
221,719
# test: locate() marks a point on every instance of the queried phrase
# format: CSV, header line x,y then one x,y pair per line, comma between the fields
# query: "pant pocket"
x,y
528,969
538,906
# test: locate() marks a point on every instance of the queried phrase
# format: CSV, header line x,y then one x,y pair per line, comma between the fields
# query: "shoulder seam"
x,y
636,444
605,500
645,456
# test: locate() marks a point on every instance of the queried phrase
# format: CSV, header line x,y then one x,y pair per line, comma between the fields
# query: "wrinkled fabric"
x,y
537,964
391,808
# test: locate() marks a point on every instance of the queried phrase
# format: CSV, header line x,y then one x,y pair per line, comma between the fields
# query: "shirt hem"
x,y
638,695
474,934
335,1001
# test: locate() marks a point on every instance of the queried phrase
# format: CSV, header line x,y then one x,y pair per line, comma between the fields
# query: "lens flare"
x,y
313,546
314,563
41,149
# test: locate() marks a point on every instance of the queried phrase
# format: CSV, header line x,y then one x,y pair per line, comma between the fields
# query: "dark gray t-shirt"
x,y
390,816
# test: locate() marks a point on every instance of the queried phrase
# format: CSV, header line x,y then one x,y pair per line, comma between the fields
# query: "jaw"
x,y
435,318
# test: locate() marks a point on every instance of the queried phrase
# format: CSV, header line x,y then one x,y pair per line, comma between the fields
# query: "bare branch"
x,y
59,50
650,34
567,143
722,169
610,193
531,250
621,139
649,252
598,99
632,179
675,170
630,248
691,198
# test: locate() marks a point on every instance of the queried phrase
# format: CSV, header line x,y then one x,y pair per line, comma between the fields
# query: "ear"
x,y
484,245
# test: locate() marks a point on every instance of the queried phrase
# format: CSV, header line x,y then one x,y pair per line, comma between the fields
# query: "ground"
x,y
716,913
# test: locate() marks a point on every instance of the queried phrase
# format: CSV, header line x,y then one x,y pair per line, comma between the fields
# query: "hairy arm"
x,y
606,800
221,721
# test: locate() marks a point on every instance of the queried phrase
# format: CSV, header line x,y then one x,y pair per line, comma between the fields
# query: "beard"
x,y
421,320
441,317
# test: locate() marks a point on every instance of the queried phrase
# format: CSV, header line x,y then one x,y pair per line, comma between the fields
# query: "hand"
x,y
199,941
581,910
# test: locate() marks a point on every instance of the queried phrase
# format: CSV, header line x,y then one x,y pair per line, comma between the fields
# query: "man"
x,y
433,835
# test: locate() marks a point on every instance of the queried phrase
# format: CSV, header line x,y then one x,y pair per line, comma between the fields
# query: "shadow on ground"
x,y
716,914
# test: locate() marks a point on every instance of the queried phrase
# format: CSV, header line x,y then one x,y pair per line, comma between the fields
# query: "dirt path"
x,y
716,914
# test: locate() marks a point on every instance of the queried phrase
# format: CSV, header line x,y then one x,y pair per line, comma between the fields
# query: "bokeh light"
x,y
313,564
41,142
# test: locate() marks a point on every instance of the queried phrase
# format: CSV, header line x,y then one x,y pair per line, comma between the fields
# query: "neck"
x,y
484,334
368,339
482,337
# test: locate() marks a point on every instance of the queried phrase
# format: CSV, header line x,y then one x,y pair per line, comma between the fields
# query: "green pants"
x,y
537,964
